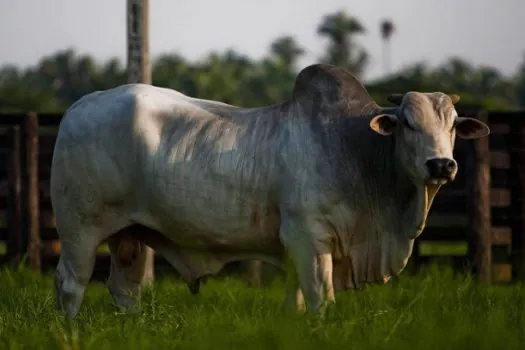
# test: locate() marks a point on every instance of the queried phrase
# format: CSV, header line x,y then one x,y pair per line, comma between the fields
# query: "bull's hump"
x,y
331,85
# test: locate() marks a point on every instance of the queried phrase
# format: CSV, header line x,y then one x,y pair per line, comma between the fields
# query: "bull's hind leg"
x,y
294,298
128,263
73,272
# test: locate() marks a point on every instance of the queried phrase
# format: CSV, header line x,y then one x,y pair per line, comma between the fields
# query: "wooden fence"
x,y
477,222
481,214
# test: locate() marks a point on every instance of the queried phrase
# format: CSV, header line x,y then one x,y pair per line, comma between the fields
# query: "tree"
x,y
343,51
111,73
222,76
387,29
286,50
456,74
174,72
16,95
416,76
481,86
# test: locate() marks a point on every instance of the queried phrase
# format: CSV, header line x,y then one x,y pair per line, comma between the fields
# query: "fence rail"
x,y
478,221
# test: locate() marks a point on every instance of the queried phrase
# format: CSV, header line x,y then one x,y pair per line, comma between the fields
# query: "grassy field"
x,y
434,310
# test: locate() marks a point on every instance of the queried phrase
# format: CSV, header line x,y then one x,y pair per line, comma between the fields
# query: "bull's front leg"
x,y
309,268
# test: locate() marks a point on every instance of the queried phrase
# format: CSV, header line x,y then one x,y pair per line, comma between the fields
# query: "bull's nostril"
x,y
433,167
450,165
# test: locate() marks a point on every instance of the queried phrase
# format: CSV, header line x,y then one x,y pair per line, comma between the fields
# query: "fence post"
x,y
14,217
480,223
32,193
518,158
139,71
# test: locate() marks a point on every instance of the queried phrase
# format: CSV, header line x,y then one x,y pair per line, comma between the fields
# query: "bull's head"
x,y
425,126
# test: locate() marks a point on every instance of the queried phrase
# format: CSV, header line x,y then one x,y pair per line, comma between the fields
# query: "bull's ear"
x,y
470,128
383,124
395,99
454,98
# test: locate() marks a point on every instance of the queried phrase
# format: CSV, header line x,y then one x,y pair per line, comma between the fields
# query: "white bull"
x,y
326,180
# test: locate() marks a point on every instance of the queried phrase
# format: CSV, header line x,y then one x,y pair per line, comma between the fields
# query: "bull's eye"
x,y
407,124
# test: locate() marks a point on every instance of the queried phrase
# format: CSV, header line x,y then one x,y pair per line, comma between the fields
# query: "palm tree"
x,y
343,51
387,28
286,50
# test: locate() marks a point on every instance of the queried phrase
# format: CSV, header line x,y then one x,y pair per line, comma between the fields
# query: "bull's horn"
x,y
395,98
387,110
454,98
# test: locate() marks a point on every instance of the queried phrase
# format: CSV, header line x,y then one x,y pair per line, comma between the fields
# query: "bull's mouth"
x,y
438,181
432,186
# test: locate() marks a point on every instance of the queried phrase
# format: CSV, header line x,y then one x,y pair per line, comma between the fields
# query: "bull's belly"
x,y
204,215
220,235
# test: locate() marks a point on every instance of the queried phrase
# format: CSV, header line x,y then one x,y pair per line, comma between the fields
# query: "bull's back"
x,y
205,182
156,156
174,164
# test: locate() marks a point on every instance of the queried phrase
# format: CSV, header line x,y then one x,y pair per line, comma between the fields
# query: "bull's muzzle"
x,y
441,170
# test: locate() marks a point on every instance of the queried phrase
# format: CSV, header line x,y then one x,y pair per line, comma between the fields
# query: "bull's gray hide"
x,y
328,182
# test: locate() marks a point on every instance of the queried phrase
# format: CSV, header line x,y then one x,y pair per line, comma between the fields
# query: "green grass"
x,y
443,248
434,310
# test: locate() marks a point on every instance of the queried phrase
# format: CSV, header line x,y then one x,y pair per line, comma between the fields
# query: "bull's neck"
x,y
380,179
386,201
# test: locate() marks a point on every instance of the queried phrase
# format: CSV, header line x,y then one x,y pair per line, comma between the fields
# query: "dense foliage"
x,y
59,79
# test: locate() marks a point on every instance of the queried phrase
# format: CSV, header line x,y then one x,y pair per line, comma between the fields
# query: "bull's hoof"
x,y
130,309
125,302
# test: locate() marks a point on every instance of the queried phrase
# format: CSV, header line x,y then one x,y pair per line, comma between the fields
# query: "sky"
x,y
489,33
